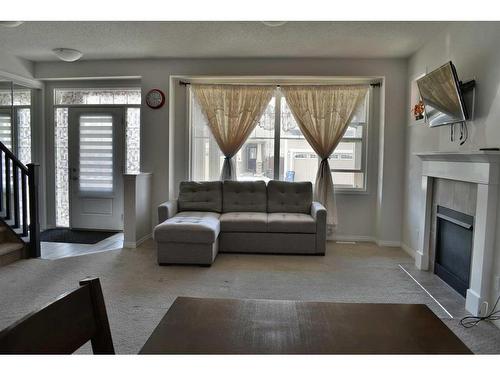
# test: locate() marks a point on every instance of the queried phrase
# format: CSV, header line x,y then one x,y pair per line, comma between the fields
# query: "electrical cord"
x,y
465,136
472,321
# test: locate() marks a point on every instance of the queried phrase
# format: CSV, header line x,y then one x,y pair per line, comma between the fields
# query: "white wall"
x,y
473,48
357,212
13,66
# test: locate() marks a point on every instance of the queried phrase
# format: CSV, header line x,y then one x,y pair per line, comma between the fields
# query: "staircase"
x,y
19,223
12,248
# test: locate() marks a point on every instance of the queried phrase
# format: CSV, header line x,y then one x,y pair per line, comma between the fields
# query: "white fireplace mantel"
x,y
481,168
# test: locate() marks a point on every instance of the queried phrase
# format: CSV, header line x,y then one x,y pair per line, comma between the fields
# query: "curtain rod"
x,y
184,83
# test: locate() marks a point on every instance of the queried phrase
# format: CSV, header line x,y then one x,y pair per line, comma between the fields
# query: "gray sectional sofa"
x,y
239,217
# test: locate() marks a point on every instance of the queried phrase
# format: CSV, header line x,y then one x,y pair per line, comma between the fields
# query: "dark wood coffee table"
x,y
244,326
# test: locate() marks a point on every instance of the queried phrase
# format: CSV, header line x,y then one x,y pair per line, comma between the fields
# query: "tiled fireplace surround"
x,y
473,189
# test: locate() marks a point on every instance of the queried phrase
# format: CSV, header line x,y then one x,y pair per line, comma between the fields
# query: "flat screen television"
x,y
442,97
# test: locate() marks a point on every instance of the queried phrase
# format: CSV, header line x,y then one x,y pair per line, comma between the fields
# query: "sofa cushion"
x,y
243,222
244,196
289,197
200,196
189,227
286,222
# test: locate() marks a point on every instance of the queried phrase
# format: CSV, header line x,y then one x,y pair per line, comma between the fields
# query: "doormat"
x,y
89,237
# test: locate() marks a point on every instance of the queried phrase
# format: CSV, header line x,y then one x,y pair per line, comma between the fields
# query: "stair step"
x,y
10,252
4,233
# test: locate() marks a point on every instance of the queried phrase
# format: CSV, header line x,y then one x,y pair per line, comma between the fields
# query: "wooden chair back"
x,y
63,326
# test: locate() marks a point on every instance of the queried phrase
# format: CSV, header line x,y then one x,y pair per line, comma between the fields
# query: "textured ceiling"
x,y
117,40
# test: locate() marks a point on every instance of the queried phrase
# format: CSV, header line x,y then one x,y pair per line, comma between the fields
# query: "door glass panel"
x,y
96,153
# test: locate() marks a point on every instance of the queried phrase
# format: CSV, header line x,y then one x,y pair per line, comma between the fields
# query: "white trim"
x,y
20,80
388,243
133,245
351,238
408,250
378,242
107,78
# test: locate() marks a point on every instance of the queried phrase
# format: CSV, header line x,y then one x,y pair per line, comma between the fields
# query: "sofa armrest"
x,y
167,210
318,212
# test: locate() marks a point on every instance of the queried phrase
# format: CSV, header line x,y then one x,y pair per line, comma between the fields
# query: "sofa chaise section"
x,y
189,227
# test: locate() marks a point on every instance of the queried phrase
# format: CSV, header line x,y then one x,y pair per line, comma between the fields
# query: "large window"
x,y
127,98
277,149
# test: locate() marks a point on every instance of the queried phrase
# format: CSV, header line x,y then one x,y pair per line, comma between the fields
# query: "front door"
x,y
96,164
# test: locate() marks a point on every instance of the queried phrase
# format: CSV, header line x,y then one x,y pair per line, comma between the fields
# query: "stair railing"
x,y
18,192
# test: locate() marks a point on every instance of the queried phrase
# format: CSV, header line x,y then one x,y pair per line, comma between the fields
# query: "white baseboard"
x,y
408,250
356,238
350,238
388,243
133,245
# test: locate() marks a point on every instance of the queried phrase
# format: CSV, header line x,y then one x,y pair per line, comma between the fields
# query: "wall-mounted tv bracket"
x,y
464,132
466,86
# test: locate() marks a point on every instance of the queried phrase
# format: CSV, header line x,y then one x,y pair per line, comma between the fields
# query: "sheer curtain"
x,y
232,112
323,113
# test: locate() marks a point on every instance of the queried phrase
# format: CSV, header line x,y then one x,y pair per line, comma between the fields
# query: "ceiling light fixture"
x,y
67,54
274,23
11,23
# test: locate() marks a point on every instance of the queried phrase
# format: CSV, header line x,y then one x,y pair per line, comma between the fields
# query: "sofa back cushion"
x,y
289,197
200,196
244,196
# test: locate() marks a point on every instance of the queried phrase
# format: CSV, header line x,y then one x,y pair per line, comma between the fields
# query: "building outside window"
x,y
296,160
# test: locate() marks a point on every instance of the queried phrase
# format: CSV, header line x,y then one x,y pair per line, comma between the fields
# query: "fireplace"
x,y
453,248
481,168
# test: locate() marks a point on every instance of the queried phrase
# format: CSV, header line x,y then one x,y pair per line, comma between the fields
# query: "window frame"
x,y
364,152
277,140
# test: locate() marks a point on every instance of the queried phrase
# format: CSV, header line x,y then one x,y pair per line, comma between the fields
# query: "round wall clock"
x,y
155,98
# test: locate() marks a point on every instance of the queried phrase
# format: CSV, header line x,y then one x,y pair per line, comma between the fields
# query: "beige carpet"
x,y
138,292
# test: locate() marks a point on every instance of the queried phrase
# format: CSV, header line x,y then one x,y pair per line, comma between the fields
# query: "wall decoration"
x,y
155,98
417,112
